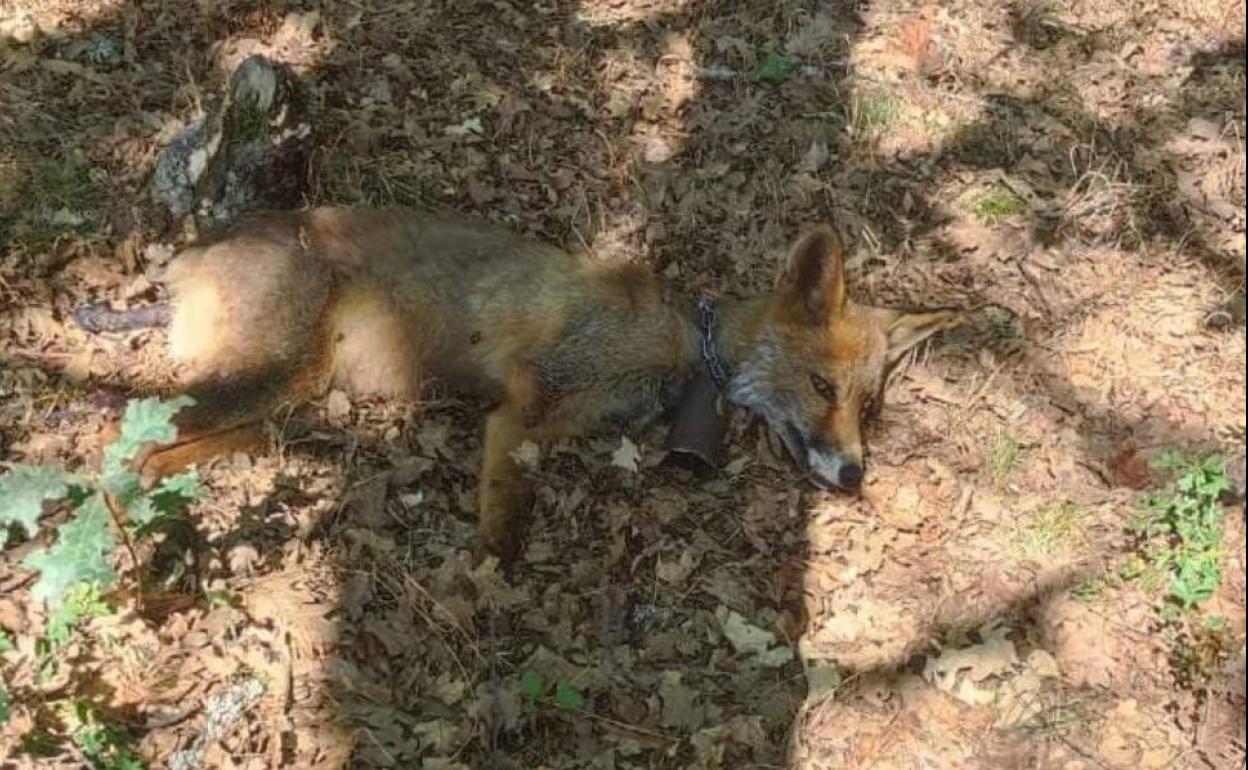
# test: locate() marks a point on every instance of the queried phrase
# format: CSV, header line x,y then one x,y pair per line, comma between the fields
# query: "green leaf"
x,y
774,67
80,555
93,740
5,706
130,496
1169,460
147,511
1213,622
83,601
531,685
184,485
106,747
6,642
127,491
23,491
173,495
1186,526
568,697
146,420
40,743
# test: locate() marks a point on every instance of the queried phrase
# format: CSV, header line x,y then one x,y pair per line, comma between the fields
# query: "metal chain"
x,y
710,351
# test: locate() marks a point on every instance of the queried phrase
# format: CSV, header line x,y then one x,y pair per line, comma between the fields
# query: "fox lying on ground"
x,y
381,301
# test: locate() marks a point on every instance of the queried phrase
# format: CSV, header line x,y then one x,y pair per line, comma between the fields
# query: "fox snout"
x,y
830,468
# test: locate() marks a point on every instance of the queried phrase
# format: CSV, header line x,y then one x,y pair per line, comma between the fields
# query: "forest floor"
x,y
989,602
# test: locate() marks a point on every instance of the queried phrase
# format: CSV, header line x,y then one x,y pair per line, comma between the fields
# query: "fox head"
x,y
818,360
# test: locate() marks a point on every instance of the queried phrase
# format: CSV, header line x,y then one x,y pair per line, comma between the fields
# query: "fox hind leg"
x,y
227,415
251,317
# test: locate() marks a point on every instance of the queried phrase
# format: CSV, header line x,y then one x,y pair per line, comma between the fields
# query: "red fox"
x,y
382,301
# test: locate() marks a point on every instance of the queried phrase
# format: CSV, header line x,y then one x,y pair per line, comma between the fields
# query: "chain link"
x,y
710,351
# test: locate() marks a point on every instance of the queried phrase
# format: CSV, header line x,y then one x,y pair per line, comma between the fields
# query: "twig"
x,y
627,727
111,504
983,388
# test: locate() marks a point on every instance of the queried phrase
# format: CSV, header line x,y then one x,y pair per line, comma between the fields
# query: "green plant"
x,y
59,197
59,184
565,697
82,602
104,747
1183,528
6,706
75,572
774,67
997,203
105,508
249,123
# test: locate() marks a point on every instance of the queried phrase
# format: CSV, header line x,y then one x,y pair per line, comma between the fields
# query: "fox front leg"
x,y
506,496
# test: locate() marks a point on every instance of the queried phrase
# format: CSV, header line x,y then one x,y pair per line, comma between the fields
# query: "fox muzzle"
x,y
832,469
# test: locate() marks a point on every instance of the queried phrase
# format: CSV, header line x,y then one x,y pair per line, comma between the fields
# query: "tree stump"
x,y
251,151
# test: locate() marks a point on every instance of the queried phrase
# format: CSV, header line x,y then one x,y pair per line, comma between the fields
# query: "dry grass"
x,y
1003,456
1048,529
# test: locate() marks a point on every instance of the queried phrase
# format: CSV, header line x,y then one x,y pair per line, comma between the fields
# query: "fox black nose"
x,y
850,476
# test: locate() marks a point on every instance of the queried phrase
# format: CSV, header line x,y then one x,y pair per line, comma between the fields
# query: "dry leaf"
x,y
528,455
440,735
680,703
816,155
468,127
627,456
676,572
751,640
959,672
337,407
1130,469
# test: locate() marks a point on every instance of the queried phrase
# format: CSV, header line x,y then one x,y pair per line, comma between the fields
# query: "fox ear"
x,y
905,330
814,278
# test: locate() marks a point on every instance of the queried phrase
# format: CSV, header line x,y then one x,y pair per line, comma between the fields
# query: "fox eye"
x,y
825,389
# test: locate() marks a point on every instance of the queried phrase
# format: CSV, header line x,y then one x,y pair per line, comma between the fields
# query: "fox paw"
x,y
505,511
